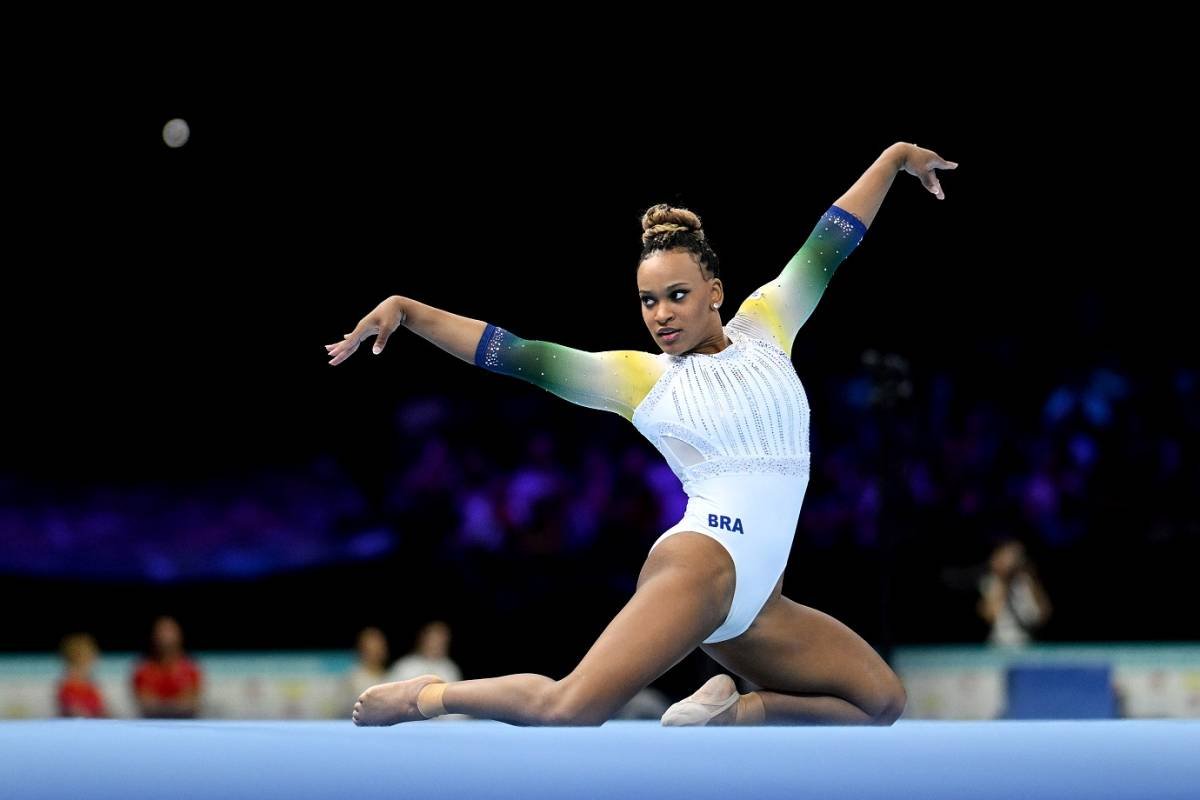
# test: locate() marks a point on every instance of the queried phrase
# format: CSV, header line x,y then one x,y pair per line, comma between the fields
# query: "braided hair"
x,y
666,227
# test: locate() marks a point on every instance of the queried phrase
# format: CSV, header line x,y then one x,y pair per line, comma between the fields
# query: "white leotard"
x,y
734,427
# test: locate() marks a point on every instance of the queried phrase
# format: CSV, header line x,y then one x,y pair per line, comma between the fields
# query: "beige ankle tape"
x,y
429,699
750,710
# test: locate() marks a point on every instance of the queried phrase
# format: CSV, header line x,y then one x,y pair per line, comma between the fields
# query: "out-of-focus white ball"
x,y
175,133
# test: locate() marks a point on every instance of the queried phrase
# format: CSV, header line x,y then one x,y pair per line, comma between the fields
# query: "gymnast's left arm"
x,y
782,306
864,198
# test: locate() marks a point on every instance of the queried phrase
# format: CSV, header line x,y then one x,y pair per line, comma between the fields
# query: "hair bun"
x,y
664,219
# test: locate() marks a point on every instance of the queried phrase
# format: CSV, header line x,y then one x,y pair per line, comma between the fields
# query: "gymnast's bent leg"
x,y
812,669
684,593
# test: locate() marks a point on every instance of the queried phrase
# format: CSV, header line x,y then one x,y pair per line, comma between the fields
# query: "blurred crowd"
x,y
166,683
904,463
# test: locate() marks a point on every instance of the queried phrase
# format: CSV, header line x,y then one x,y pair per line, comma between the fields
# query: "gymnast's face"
x,y
677,303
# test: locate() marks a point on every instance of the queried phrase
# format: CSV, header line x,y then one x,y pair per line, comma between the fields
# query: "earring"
x,y
716,305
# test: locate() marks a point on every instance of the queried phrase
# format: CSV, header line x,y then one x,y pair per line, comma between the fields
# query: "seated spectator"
x,y
166,682
371,667
431,655
78,695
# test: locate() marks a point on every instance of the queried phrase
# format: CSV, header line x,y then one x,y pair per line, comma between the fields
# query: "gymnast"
x,y
724,406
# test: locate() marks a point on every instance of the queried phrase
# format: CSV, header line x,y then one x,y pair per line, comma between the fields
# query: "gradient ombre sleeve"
x,y
782,306
613,380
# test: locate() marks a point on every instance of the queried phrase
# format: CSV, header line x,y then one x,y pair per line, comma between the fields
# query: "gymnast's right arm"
x,y
614,380
457,335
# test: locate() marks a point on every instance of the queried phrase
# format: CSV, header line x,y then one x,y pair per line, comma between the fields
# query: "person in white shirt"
x,y
371,667
430,656
1012,600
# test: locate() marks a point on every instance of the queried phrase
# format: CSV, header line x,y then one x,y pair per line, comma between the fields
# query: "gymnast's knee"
x,y
565,704
891,703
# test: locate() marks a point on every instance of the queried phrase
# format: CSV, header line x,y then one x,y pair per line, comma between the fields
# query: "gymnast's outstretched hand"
x,y
922,163
380,323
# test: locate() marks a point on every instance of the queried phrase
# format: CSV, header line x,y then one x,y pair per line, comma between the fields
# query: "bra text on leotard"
x,y
723,523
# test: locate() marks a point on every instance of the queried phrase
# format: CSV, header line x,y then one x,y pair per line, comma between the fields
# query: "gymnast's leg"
x,y
812,669
684,593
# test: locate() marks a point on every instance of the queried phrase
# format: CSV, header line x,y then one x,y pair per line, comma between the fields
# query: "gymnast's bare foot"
x,y
714,703
389,703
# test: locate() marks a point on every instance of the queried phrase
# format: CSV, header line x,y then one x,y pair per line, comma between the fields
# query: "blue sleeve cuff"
x,y
842,215
481,349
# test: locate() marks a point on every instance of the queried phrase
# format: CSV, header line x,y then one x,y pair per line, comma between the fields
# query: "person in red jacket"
x,y
167,683
78,695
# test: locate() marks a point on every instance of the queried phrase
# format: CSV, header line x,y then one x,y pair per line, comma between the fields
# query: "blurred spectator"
x,y
430,656
78,695
167,683
371,667
1012,599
